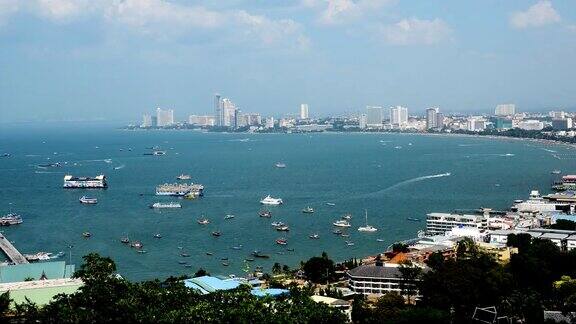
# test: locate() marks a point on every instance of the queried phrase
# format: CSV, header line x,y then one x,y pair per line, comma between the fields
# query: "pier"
x,y
10,251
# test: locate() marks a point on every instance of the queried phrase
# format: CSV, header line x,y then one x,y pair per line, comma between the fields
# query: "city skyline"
x,y
110,60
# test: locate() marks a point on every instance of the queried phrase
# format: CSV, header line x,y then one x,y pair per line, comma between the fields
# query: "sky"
x,y
117,59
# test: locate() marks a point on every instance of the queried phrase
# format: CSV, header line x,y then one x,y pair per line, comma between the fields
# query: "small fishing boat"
x,y
283,228
216,233
349,243
280,165
88,200
314,236
184,255
265,213
413,219
125,240
86,234
137,245
308,210
347,217
281,241
258,254
209,253
229,216
157,235
203,221
184,177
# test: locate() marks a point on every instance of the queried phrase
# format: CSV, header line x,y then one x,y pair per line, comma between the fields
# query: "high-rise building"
x,y
476,124
531,124
374,116
439,120
154,120
269,122
432,118
362,121
201,120
398,116
304,111
505,110
562,123
557,114
164,117
146,121
228,113
218,110
253,119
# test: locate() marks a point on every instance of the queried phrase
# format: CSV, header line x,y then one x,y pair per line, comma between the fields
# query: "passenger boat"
x,y
308,210
281,241
265,213
10,219
314,236
88,200
366,227
229,216
216,233
203,221
86,234
268,200
170,205
341,223
184,177
283,228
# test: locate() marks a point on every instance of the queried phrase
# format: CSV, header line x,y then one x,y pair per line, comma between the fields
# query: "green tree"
x,y
200,273
319,269
276,268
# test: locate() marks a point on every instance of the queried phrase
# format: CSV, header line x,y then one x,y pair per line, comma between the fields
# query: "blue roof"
x,y
208,284
272,292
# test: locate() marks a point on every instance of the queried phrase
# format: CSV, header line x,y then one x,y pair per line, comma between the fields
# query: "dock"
x,y
10,251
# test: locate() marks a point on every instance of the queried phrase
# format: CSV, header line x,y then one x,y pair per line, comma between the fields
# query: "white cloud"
x,y
414,31
540,14
334,12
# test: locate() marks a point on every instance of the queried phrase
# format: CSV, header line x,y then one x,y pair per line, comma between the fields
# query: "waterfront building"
x,y
476,124
146,121
202,120
562,123
304,111
154,120
228,113
505,110
253,119
374,116
557,114
377,279
439,120
218,109
398,116
432,118
269,122
362,121
440,223
164,117
501,123
531,124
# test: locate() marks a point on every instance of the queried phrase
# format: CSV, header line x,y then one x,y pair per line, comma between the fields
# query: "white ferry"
x,y
271,201
98,182
88,200
159,205
179,189
10,219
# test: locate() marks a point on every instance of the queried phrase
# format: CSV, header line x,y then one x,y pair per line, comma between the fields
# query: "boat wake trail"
x,y
404,183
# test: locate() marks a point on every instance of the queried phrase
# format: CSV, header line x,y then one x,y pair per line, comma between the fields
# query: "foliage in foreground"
x,y
107,298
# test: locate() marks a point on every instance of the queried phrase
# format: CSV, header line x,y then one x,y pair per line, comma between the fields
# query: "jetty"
x,y
10,251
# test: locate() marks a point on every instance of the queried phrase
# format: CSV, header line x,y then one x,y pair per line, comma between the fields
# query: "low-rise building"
x,y
440,223
377,279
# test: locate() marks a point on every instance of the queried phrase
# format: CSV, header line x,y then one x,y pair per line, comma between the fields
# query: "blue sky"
x,y
115,59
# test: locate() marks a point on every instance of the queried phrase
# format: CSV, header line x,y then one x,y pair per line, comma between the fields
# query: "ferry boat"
x,y
280,165
265,213
179,189
203,221
184,177
314,236
367,228
308,210
10,219
72,182
160,205
281,241
341,223
271,201
88,200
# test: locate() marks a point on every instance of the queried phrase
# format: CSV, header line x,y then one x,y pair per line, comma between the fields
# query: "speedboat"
x,y
283,228
203,221
125,240
556,172
229,216
367,228
88,200
137,245
349,243
87,234
216,233
277,224
341,223
314,236
268,200
280,165
281,241
157,235
347,217
265,213
184,177
308,210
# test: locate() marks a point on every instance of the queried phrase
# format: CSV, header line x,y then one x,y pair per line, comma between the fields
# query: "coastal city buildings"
x,y
204,120
164,117
146,121
304,111
398,116
531,125
362,121
374,116
505,110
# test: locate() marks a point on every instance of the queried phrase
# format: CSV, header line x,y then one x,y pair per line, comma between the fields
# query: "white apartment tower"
x,y
432,118
146,120
374,116
304,111
505,110
398,116
164,117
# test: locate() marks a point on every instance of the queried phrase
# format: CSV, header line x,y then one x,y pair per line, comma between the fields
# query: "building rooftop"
x,y
374,271
209,284
21,272
554,236
40,292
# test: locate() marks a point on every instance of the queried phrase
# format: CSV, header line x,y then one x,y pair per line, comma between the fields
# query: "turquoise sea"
x,y
392,176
